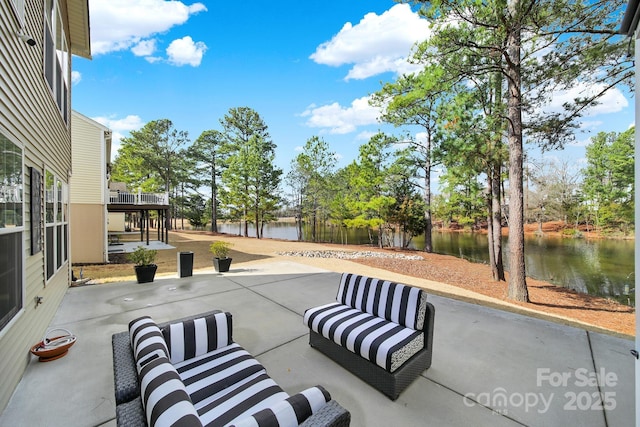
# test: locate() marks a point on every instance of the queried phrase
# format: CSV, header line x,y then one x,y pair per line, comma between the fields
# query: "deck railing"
x,y
139,198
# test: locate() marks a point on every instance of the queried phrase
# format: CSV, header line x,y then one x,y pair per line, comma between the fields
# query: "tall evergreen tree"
x,y
371,201
609,177
310,171
210,152
251,178
540,47
413,100
149,157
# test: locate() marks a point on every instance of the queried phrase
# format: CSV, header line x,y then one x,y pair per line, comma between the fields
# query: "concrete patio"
x,y
490,367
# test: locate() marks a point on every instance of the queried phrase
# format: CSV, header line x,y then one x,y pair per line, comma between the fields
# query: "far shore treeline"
x,y
378,191
483,92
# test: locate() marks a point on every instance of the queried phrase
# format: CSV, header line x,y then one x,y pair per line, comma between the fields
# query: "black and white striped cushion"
x,y
240,400
164,397
290,412
196,337
211,373
387,344
398,303
147,341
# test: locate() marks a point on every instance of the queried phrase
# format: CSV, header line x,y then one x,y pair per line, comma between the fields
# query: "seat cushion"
x,y
378,340
402,304
240,400
211,373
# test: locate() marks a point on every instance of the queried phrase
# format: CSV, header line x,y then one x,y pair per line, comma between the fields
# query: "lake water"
x,y
598,267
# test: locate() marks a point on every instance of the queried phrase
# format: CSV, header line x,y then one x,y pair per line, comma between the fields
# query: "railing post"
x,y
139,197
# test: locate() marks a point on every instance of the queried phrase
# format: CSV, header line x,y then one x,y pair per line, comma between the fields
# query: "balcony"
x,y
138,199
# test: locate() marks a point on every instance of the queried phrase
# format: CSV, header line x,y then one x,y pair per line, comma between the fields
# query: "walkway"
x,y
490,367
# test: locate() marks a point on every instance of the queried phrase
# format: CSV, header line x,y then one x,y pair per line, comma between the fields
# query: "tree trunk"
x,y
428,242
257,219
490,235
246,223
314,225
299,223
496,219
214,201
517,275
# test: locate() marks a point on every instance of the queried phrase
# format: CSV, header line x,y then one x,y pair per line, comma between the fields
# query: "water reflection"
x,y
597,267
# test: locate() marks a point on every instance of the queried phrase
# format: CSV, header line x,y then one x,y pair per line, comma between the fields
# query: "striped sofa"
x,y
379,330
190,373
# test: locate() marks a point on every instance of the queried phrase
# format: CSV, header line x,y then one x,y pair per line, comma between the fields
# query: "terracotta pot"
x,y
53,348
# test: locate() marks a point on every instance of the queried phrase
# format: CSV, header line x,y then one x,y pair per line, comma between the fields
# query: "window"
x,y
10,184
11,229
56,206
56,56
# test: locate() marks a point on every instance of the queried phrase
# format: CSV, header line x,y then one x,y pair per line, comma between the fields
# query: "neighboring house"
x,y
37,39
98,206
91,154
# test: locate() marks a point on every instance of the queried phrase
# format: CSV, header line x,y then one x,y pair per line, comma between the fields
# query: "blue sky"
x,y
306,67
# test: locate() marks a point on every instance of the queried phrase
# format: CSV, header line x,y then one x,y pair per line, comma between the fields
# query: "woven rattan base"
x,y
391,384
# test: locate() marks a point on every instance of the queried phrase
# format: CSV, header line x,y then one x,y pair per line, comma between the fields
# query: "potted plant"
x,y
220,250
144,263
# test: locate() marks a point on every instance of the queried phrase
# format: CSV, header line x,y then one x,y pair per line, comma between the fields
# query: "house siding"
x,y
88,191
89,163
30,117
88,234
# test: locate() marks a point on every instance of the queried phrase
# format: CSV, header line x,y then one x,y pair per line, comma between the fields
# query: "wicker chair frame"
x,y
389,383
129,410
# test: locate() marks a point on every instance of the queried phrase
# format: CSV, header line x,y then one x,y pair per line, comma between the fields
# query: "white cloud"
x,y
365,135
122,24
612,101
144,47
185,51
340,120
589,125
377,44
76,76
120,128
152,59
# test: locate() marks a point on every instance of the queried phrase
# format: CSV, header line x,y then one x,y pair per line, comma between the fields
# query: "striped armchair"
x,y
379,330
191,373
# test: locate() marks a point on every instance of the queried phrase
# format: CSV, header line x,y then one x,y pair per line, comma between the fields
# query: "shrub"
x,y
143,256
220,249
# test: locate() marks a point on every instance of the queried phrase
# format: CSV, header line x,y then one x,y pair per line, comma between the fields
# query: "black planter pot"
x,y
221,264
145,273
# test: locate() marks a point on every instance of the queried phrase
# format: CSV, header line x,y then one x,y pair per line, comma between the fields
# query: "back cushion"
x,y
164,397
398,303
147,341
196,337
